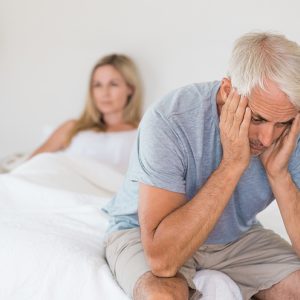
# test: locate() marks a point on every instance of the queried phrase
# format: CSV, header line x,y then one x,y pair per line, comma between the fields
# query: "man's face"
x,y
272,115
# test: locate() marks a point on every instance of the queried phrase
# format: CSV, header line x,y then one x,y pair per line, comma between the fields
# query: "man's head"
x,y
265,68
259,57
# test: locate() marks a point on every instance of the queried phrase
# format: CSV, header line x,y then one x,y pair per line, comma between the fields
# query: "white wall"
x,y
48,47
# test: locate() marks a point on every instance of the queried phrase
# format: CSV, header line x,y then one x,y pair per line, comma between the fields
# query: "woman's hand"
x,y
234,125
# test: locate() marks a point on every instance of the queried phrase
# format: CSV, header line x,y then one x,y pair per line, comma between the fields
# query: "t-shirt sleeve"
x,y
294,165
160,153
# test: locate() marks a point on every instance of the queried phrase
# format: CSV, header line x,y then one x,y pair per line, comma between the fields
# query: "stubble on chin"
x,y
256,152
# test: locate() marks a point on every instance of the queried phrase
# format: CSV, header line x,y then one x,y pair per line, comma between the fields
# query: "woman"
x,y
107,127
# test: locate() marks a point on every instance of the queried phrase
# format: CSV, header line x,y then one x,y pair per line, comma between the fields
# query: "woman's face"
x,y
109,90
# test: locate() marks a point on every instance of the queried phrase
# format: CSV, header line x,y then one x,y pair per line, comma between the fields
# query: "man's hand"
x,y
234,125
276,158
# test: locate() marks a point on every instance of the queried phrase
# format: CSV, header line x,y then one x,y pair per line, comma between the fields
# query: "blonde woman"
x,y
106,129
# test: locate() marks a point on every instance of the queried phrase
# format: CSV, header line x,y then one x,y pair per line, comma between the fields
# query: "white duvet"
x,y
51,232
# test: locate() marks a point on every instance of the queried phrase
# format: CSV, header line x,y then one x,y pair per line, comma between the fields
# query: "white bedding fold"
x,y
51,230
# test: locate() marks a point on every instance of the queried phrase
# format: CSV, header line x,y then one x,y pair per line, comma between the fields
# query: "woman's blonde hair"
x,y
91,117
259,56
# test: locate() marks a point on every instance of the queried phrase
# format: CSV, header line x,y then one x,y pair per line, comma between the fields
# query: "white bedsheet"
x,y
51,230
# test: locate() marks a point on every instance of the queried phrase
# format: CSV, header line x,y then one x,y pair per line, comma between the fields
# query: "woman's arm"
x,y
57,140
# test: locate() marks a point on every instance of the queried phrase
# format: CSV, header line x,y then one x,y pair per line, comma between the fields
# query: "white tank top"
x,y
111,148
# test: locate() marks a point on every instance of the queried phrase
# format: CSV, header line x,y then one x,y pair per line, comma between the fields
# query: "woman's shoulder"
x,y
66,127
121,128
69,124
64,130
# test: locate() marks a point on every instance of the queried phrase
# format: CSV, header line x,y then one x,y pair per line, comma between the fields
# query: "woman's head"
x,y
114,87
259,57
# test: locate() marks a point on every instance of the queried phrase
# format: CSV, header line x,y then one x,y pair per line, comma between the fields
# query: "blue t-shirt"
x,y
178,147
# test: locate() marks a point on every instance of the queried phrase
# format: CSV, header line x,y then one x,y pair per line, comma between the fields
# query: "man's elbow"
x,y
162,261
161,267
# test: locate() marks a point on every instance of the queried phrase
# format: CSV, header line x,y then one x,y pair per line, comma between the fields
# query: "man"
x,y
208,158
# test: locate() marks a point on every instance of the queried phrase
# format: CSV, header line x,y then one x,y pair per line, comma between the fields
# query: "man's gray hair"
x,y
261,56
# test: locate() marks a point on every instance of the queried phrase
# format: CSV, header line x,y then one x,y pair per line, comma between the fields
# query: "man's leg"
x,y
127,262
150,287
126,259
256,262
287,289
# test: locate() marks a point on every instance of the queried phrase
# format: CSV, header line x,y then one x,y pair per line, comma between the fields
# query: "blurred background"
x,y
47,50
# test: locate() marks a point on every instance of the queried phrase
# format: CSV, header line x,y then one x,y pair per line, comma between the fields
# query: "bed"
x,y
52,228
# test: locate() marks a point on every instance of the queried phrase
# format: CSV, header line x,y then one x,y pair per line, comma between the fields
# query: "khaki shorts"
x,y
258,260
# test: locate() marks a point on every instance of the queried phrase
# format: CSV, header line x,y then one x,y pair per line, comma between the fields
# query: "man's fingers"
x,y
295,128
234,102
224,111
239,114
244,128
293,132
230,108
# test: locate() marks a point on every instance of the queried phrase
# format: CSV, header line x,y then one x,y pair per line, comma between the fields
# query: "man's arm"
x,y
288,198
287,194
172,228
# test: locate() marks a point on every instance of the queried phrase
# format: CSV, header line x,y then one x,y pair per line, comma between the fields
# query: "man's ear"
x,y
225,88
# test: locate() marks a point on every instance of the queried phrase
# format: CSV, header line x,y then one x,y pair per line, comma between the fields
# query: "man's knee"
x,y
288,288
291,285
150,287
